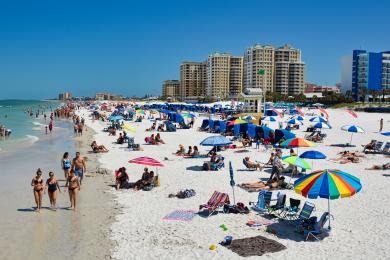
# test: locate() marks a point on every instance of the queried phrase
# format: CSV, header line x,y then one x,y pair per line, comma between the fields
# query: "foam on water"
x,y
32,138
37,123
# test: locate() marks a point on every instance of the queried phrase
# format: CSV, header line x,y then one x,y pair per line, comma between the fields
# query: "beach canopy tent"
x,y
205,124
252,130
327,184
240,129
211,124
219,126
270,112
282,133
170,126
216,140
259,131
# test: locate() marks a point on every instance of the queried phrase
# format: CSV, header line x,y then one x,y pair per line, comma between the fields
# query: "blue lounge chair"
x,y
317,228
247,166
263,201
279,206
292,210
305,213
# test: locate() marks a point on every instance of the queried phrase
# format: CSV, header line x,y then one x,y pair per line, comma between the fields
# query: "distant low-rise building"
x,y
314,88
103,96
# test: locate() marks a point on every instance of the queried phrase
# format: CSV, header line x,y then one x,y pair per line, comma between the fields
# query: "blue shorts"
x,y
79,172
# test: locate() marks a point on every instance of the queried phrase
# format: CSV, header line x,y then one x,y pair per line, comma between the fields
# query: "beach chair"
x,y
217,200
368,148
386,148
305,213
263,201
292,210
279,206
317,228
378,147
247,166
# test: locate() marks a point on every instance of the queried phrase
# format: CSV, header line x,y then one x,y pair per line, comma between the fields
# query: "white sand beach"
x,y
359,228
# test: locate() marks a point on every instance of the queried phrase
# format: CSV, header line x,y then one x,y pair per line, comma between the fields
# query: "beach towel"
x,y
255,246
180,215
257,223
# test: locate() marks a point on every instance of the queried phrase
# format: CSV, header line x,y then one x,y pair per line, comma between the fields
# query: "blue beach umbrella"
x,y
216,140
268,119
318,119
352,129
294,122
115,118
386,133
322,125
313,155
300,118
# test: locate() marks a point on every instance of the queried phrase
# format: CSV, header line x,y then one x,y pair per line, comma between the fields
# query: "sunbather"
x,y
98,148
271,159
146,180
385,166
195,153
153,127
251,164
348,159
189,153
369,146
260,185
120,139
158,139
181,150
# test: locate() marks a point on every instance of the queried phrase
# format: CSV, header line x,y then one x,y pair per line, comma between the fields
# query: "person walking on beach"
x,y
66,164
38,189
277,166
52,187
74,187
381,125
79,166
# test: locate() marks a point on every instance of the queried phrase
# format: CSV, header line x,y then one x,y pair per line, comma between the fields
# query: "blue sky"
x,y
130,47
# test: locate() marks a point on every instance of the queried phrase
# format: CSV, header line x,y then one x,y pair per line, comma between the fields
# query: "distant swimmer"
x,y
73,185
38,189
52,187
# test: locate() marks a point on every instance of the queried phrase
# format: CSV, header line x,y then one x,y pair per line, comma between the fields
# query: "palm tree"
x,y
363,93
348,94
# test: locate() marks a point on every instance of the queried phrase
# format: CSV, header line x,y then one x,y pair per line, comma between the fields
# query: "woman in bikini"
x,y
52,187
66,163
73,185
38,189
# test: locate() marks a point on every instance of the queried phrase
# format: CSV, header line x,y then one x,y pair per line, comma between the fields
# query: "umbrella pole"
x,y
329,213
234,196
350,142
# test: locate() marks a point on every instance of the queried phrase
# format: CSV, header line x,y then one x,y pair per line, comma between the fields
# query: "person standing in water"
x,y
66,164
74,187
52,187
38,189
79,166
381,125
51,126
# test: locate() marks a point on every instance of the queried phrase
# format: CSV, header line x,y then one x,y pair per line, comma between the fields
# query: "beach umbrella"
x,y
249,118
352,129
129,128
386,133
144,160
237,121
297,142
297,161
269,119
300,118
318,119
322,125
232,182
188,115
313,155
216,140
294,122
327,184
115,118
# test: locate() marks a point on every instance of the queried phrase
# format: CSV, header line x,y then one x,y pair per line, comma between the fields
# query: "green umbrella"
x,y
297,161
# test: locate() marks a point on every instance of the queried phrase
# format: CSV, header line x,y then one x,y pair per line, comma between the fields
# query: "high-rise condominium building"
x,y
282,69
224,75
64,96
370,70
193,80
170,88
258,58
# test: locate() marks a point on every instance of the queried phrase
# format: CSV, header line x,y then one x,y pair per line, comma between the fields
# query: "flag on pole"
x,y
261,71
324,111
299,110
277,112
349,111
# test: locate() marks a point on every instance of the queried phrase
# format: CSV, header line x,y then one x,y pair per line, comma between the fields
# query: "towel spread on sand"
x,y
255,246
181,215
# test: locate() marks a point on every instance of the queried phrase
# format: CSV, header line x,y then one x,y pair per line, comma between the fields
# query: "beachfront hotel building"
x,y
193,81
370,70
224,76
170,88
64,96
283,69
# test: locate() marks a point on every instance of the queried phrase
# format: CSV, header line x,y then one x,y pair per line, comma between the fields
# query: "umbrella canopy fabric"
x,y
216,140
294,122
249,117
129,128
297,161
269,119
318,119
297,142
312,154
115,118
352,129
146,161
386,133
237,121
329,184
300,118
322,125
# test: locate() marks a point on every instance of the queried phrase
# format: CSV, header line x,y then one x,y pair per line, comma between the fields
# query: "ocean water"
x,y
26,129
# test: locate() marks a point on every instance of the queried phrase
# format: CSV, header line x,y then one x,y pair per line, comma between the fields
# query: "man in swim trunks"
x,y
79,166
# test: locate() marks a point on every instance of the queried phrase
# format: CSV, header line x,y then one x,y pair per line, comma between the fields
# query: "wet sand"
x,y
54,234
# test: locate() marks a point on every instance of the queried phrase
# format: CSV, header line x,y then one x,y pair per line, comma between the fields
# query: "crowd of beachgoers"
x,y
256,168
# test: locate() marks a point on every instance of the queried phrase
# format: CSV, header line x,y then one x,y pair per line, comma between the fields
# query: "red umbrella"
x,y
146,161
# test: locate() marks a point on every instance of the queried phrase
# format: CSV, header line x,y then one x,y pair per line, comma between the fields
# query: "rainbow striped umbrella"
x,y
327,184
237,121
297,142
